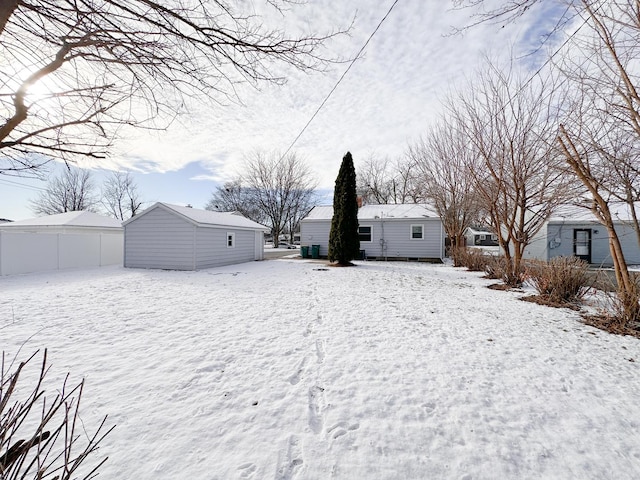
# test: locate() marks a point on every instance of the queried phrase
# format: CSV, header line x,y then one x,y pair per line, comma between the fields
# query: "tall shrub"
x,y
344,243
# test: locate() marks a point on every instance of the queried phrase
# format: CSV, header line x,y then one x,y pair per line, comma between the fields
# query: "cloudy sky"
x,y
385,101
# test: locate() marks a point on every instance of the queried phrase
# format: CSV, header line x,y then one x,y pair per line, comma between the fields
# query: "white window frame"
x,y
421,225
483,237
231,236
370,230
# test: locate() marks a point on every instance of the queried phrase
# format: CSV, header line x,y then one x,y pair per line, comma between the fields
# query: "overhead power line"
x,y
341,78
22,185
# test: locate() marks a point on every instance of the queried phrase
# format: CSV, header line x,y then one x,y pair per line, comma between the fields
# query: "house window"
x,y
482,237
494,238
365,233
231,240
417,232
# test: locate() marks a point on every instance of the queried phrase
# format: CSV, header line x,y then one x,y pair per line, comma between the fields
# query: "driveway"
x,y
273,253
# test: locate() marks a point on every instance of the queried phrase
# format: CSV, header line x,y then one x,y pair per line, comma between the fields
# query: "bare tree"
x,y
382,181
39,434
120,196
233,196
442,156
73,72
601,134
516,168
280,187
72,191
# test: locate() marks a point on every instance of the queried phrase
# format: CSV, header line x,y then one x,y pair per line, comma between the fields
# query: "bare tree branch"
x,y
74,71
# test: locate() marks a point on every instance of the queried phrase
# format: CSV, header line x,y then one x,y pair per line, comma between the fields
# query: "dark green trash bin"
x,y
315,251
304,251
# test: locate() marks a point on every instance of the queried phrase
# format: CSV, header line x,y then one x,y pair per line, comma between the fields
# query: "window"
x,y
365,233
483,237
231,240
417,232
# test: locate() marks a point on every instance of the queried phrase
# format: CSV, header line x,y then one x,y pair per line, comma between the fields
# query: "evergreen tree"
x,y
344,243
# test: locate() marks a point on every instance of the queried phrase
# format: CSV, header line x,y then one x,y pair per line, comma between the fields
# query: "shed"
x,y
66,240
184,238
480,237
387,232
575,231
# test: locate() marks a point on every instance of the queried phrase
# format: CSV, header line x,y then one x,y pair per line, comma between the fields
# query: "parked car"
x,y
285,245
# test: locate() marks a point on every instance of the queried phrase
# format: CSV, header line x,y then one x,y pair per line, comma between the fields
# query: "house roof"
x,y
478,231
67,219
205,217
374,212
621,212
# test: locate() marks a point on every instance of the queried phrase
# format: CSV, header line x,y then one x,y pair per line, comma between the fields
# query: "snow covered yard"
x,y
287,369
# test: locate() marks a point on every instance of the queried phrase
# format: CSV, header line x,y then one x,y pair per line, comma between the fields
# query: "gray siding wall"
x,y
159,239
600,255
316,232
212,250
538,248
398,242
397,236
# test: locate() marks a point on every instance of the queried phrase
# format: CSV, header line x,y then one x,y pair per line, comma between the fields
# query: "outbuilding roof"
x,y
67,219
374,212
205,217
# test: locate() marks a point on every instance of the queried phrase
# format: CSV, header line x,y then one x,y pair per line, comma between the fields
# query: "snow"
x,y
290,369
68,219
205,217
370,212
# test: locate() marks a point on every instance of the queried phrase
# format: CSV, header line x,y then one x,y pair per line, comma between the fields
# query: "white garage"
x,y
55,242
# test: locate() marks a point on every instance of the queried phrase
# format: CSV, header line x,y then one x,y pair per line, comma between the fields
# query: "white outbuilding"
x,y
183,238
65,240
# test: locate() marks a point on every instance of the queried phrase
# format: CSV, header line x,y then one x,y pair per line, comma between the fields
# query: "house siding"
x,y
396,234
160,239
316,232
212,250
544,245
392,239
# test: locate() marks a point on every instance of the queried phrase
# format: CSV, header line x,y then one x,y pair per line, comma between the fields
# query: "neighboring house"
x,y
575,231
480,238
65,240
387,232
183,238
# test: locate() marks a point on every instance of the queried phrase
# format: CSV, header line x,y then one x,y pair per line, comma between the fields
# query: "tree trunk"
x,y
626,286
7,7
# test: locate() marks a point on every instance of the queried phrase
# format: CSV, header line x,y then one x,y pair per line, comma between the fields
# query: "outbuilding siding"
x,y
160,239
182,238
212,250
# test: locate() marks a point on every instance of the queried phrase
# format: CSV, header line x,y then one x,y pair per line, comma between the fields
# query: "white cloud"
x,y
385,101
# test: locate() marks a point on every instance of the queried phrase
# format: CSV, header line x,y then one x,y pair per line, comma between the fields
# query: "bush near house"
x,y
561,280
476,260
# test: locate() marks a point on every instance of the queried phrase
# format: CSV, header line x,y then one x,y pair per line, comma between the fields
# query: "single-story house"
x,y
477,237
575,231
183,238
387,232
65,240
